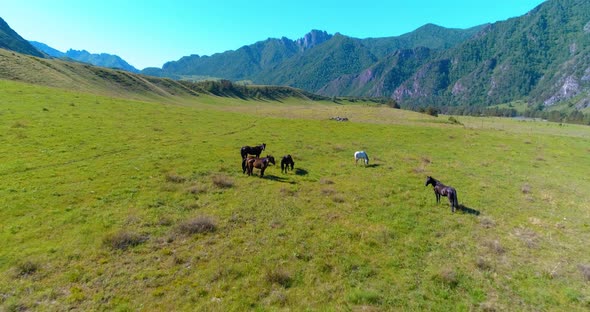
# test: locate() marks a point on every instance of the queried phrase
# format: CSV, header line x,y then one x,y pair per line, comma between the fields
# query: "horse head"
x,y
271,159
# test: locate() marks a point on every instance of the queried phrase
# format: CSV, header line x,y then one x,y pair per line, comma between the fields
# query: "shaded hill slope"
x,y
119,83
10,40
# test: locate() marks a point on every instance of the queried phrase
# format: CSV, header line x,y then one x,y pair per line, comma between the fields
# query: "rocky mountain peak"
x,y
312,39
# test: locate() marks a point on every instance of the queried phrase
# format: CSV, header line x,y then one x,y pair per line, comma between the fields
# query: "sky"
x,y
149,33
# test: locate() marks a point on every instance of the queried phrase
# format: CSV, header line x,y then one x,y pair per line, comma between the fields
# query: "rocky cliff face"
x,y
312,39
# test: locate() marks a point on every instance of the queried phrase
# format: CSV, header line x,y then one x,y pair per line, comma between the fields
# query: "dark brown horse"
x,y
252,150
441,189
286,162
259,163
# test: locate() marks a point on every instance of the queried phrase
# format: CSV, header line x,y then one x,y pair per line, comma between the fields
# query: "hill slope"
x,y
542,57
110,82
10,40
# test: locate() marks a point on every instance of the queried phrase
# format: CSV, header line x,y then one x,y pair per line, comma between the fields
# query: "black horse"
x,y
252,150
286,162
441,189
259,163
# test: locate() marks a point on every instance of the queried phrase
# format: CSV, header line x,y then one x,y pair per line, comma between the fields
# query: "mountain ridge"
x,y
11,40
98,59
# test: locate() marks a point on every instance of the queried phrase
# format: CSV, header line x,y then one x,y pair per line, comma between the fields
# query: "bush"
x,y
27,268
280,277
123,240
197,225
454,121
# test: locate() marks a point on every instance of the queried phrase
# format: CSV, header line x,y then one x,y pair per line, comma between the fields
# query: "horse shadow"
x,y
373,165
468,210
301,172
278,179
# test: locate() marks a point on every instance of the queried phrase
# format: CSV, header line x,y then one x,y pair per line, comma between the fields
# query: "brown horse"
x,y
441,189
286,162
258,163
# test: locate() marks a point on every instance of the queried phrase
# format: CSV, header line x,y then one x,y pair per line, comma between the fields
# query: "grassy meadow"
x,y
115,204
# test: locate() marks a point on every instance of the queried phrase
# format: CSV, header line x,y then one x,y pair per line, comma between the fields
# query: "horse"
x,y
252,150
441,189
286,162
259,163
361,155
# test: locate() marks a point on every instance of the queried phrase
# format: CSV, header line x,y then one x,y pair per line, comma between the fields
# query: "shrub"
x,y
123,240
280,277
27,268
197,225
454,121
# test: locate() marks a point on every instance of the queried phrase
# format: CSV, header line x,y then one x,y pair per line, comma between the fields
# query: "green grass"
x,y
103,201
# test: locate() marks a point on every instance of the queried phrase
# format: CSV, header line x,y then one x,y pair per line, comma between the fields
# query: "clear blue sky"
x,y
149,33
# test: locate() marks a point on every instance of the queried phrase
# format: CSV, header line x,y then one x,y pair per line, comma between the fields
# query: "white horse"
x,y
361,155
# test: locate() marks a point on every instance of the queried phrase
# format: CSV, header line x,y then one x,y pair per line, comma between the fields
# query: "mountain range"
x,y
102,59
541,58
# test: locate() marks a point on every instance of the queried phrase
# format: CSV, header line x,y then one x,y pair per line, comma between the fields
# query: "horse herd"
x,y
251,159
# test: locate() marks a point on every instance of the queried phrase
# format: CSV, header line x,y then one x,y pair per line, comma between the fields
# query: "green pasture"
x,y
119,205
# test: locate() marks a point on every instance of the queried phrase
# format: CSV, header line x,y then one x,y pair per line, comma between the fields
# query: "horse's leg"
x,y
262,171
452,202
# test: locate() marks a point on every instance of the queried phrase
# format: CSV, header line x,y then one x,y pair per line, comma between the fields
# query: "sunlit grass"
x,y
114,204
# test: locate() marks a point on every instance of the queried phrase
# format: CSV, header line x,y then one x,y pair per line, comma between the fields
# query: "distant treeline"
x,y
576,117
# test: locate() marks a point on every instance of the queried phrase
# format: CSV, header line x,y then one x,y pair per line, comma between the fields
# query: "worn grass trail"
x,y
79,171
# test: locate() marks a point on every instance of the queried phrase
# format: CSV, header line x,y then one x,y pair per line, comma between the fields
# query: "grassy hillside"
x,y
123,84
115,204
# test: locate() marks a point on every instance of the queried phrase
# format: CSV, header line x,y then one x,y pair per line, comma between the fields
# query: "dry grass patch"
x,y
222,181
326,181
175,178
529,237
448,277
197,189
338,198
487,222
526,189
585,270
328,191
287,192
494,246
